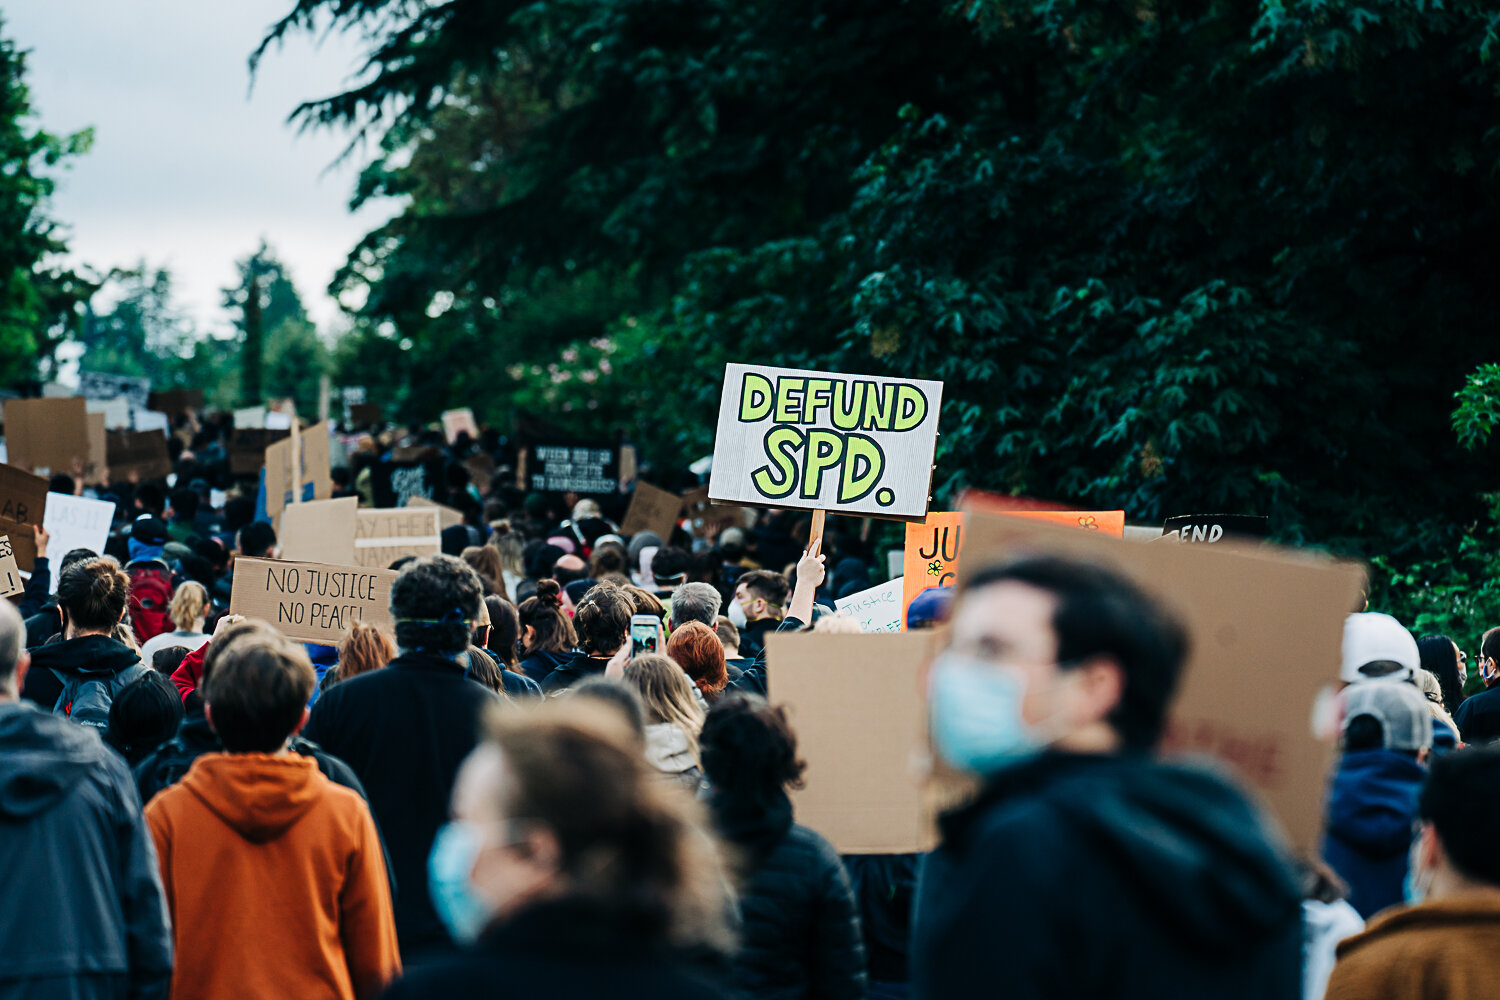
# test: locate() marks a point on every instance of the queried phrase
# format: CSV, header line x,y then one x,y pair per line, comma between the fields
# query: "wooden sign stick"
x,y
815,536
296,460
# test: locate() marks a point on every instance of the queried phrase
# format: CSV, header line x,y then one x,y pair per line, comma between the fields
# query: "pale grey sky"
x,y
189,167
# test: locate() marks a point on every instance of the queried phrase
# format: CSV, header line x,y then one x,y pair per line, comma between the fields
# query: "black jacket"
x,y
800,934
753,637
38,592
563,950
1478,718
1107,876
577,668
85,915
166,765
405,730
541,663
97,654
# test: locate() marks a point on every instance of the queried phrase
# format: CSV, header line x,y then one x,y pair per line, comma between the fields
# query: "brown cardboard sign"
x,y
1265,628
385,534
710,518
311,602
51,434
142,454
175,402
447,516
247,448
97,466
652,509
319,531
461,421
857,706
317,471
10,572
23,505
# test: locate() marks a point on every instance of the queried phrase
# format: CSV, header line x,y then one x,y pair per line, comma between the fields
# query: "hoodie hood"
x,y
667,748
1373,800
260,796
1182,835
45,758
86,656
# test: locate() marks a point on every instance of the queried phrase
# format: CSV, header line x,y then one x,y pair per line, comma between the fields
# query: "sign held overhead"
x,y
849,444
312,602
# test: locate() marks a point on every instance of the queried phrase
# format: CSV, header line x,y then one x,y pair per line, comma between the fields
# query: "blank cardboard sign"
x,y
857,707
1265,627
50,434
652,509
311,602
320,531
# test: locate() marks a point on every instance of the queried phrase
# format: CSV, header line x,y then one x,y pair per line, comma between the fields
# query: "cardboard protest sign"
x,y
23,505
856,703
1242,698
175,402
652,509
47,434
629,465
932,546
456,422
364,414
140,455
1213,528
395,483
97,385
75,523
316,482
95,469
319,531
447,516
247,448
879,609
10,572
820,440
311,602
709,518
557,468
382,536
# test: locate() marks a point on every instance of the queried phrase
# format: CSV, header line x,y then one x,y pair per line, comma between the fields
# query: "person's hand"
x,y
615,668
810,570
42,537
227,621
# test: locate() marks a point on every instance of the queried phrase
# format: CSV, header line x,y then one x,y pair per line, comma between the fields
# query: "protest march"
x,y
755,500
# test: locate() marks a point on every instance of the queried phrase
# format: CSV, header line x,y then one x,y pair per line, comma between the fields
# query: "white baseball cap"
x,y
1370,637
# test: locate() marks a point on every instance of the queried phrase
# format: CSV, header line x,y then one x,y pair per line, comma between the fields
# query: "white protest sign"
x,y
11,580
75,523
152,420
135,391
877,609
116,411
250,418
850,444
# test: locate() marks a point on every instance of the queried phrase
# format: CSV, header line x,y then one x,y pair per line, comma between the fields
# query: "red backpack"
x,y
150,594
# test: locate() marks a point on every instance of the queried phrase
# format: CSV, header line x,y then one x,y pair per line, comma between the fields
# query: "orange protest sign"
x,y
933,544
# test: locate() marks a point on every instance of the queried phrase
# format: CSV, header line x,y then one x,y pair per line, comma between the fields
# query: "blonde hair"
x,y
1432,689
838,624
667,695
188,605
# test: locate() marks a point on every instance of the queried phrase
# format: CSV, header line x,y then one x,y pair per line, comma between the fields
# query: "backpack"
x,y
150,594
86,699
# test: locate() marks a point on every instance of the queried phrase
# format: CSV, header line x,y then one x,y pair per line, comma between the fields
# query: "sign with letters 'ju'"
x,y
851,444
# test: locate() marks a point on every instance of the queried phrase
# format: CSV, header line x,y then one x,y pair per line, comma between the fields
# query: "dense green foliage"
x,y
1165,257
40,301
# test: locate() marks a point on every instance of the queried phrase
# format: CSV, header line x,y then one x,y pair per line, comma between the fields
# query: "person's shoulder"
x,y
811,843
470,973
1407,942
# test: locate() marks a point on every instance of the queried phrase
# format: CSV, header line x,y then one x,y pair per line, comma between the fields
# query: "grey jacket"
x,y
82,914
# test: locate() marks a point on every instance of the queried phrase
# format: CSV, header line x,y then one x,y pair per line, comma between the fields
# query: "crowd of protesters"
x,y
505,795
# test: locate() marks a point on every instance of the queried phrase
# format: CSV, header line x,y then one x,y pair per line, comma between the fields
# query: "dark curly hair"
x,y
749,749
602,618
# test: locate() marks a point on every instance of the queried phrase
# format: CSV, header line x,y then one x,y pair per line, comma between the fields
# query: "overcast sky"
x,y
190,168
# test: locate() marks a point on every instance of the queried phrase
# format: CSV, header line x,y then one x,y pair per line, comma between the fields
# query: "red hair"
x,y
697,650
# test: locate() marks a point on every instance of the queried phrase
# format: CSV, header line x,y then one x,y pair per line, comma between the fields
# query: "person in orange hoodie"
x,y
274,875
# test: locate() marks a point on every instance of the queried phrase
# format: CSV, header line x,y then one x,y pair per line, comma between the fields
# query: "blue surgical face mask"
x,y
977,724
463,911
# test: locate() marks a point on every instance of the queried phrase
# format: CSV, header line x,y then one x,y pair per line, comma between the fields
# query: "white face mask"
x,y
736,614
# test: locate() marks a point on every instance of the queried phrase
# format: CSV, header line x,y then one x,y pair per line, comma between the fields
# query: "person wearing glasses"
x,y
1478,717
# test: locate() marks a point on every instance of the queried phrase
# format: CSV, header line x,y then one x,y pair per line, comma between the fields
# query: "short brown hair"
x,y
646,603
697,650
603,617
768,585
729,636
94,593
257,693
486,562
365,648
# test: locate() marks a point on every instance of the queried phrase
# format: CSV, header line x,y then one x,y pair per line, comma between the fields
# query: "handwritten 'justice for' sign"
x,y
845,443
